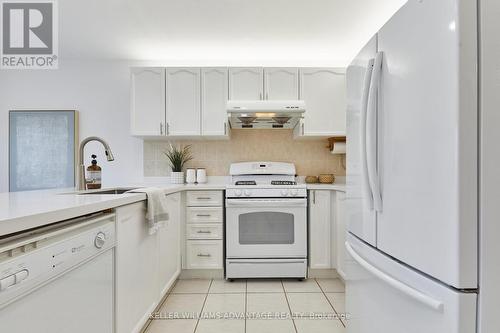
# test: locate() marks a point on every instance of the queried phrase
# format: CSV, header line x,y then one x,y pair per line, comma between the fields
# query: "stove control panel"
x,y
290,192
266,192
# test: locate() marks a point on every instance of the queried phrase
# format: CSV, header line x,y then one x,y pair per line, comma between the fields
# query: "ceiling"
x,y
221,32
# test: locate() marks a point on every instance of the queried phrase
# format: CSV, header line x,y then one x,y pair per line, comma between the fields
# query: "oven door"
x,y
266,228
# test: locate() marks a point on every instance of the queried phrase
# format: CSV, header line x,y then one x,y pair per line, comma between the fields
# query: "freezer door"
x,y
383,296
361,217
427,127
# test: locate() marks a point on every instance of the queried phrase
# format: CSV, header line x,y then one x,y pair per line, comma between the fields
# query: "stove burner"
x,y
245,182
283,182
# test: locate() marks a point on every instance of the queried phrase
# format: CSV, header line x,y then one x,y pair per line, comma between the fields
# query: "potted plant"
x,y
178,157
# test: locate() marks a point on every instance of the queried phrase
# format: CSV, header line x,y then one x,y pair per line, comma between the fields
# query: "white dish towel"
x,y
157,210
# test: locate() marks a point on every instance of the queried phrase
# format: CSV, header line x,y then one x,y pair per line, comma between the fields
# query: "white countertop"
x,y
25,210
30,209
331,187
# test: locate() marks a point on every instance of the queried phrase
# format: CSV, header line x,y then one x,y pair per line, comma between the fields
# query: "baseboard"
x,y
219,274
164,294
169,285
323,274
202,274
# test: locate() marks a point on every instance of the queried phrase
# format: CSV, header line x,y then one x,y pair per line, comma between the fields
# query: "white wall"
x,y
222,32
99,90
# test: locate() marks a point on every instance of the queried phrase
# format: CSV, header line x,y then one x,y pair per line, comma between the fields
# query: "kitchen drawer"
x,y
202,254
204,198
204,215
204,231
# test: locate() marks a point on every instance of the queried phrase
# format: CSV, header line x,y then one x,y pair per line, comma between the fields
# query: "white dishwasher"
x,y
59,278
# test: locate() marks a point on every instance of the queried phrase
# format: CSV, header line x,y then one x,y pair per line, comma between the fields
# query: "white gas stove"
x,y
266,222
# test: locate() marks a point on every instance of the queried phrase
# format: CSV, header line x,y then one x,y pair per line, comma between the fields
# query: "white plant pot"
x,y
177,177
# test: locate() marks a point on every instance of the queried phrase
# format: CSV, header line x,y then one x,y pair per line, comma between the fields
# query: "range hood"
x,y
265,114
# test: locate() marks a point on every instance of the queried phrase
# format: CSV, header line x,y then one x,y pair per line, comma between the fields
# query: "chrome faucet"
x,y
82,183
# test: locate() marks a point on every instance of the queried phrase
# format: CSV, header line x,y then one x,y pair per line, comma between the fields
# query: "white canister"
x,y
201,176
191,176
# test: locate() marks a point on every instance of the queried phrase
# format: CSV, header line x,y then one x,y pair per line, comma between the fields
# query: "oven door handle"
x,y
292,202
239,262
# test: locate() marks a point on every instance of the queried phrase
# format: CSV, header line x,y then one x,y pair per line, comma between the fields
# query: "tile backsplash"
x,y
311,157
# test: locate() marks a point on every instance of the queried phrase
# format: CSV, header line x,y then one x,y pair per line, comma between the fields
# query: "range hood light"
x,y
265,114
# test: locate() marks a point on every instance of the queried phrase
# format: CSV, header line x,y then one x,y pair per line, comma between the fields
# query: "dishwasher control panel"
x,y
13,279
50,256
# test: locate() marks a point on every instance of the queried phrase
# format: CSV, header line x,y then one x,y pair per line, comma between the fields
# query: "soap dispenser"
x,y
93,175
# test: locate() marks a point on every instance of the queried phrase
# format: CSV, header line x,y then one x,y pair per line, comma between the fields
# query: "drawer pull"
x,y
203,198
204,255
204,232
203,215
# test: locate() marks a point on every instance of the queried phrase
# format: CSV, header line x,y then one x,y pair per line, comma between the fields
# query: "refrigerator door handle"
x,y
405,289
367,194
371,133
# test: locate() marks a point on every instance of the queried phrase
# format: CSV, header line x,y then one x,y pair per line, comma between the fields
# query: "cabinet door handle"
x,y
204,255
314,197
302,124
203,215
225,128
203,198
203,232
161,128
168,129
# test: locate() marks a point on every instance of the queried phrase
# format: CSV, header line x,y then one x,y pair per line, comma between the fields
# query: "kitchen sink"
x,y
119,190
108,191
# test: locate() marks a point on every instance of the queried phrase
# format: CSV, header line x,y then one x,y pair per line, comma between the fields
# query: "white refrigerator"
x,y
412,173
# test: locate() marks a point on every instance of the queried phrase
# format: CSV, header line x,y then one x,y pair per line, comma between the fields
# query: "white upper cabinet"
x,y
191,102
214,96
246,83
183,102
147,101
324,92
281,83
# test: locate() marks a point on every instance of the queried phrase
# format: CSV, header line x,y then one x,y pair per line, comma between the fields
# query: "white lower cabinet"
x,y
169,245
339,251
136,268
204,199
204,232
320,225
146,265
327,230
204,254
204,215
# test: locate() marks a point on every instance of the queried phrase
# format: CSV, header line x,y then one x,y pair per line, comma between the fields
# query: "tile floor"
x,y
271,306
